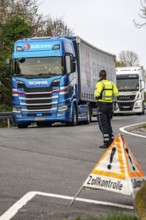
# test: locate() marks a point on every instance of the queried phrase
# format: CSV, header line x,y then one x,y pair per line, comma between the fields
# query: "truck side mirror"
x,y
73,67
72,59
8,67
73,64
142,85
70,64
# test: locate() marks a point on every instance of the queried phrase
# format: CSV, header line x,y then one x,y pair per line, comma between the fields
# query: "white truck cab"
x,y
131,85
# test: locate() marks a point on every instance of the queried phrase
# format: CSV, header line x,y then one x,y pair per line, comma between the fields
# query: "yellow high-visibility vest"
x,y
105,91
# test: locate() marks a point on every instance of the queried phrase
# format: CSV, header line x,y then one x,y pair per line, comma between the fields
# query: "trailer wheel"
x,y
74,117
22,125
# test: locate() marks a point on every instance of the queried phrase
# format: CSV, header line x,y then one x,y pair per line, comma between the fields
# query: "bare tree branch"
x,y
28,11
141,15
56,27
128,58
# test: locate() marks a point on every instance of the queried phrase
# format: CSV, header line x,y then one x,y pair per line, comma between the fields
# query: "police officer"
x,y
104,93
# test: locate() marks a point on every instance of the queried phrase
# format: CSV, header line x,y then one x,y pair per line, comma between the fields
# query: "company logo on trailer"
x,y
39,46
38,83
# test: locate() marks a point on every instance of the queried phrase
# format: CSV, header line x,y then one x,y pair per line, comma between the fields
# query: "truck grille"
x,y
126,97
38,99
38,95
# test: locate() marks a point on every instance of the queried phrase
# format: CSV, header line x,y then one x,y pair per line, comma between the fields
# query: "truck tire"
x,y
74,117
143,109
22,125
88,116
44,124
48,124
40,124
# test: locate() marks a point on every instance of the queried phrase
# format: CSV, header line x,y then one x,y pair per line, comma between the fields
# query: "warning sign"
x,y
117,170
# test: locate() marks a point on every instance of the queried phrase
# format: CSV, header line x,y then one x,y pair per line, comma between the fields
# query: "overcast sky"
x,y
106,24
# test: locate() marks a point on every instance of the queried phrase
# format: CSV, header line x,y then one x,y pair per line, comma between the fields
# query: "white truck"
x,y
131,85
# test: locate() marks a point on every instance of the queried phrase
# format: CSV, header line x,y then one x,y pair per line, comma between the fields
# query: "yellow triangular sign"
x,y
117,170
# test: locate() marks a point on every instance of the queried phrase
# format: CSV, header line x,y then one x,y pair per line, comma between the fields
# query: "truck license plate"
x,y
125,107
39,119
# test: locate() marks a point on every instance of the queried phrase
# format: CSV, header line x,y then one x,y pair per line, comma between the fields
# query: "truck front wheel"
x,y
74,117
44,124
22,125
143,111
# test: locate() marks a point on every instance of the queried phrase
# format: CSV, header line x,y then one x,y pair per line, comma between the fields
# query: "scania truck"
x,y
131,85
53,80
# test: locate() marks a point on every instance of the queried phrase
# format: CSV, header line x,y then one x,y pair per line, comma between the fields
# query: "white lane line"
x,y
127,132
28,196
18,205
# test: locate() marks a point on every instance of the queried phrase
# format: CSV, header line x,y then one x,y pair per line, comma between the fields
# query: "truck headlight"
x,y
62,108
17,110
137,104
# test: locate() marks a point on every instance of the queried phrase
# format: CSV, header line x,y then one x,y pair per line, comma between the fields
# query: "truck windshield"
x,y
128,82
39,66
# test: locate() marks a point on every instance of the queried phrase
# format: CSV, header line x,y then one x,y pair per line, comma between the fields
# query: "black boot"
x,y
104,146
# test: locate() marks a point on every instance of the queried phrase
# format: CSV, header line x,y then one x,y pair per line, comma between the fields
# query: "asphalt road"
x,y
41,166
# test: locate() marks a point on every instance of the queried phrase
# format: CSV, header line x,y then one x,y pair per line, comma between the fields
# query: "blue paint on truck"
x,y
53,79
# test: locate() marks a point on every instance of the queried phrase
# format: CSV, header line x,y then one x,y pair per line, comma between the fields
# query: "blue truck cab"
x,y
45,84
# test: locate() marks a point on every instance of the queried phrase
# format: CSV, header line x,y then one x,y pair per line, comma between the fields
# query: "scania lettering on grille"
x,y
38,83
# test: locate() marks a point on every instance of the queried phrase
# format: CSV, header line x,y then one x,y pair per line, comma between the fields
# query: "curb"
x,y
135,129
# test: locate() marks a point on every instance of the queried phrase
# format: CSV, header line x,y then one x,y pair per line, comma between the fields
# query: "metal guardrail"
x,y
6,115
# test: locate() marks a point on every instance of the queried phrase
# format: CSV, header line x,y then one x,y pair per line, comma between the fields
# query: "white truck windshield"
x,y
128,82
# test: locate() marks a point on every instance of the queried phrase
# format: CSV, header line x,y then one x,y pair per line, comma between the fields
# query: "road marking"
x,y
127,132
12,211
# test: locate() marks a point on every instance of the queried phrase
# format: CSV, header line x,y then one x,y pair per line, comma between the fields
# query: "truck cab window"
x,y
41,65
127,83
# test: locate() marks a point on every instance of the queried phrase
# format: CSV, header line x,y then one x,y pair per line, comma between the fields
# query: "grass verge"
x,y
114,217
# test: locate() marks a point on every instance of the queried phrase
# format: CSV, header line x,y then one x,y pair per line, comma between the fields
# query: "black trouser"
x,y
104,116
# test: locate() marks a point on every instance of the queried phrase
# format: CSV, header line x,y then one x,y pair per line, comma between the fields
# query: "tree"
x,y
142,15
28,11
119,63
11,30
128,58
25,9
56,27
18,20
